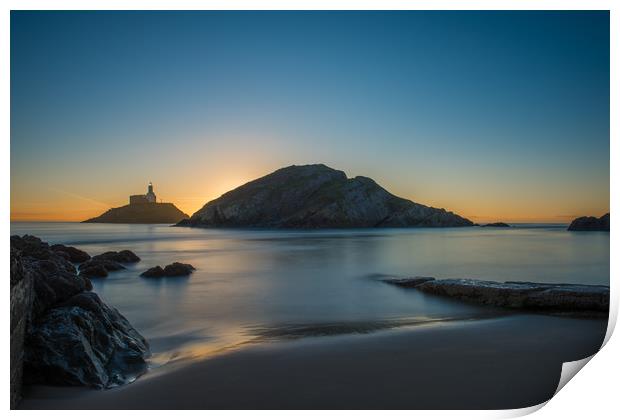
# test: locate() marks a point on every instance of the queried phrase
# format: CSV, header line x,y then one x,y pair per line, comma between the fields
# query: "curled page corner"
x,y
569,370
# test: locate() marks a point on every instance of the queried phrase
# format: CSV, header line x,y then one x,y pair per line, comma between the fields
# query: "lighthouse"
x,y
150,195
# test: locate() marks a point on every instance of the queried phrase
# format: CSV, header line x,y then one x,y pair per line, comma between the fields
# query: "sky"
x,y
492,115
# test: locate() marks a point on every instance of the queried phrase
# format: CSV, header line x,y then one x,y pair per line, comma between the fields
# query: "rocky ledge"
x,y
69,336
570,299
590,223
175,269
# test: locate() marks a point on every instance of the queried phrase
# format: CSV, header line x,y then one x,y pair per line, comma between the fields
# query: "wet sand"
x,y
509,362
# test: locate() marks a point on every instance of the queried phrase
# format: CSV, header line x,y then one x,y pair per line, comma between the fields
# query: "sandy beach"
x,y
508,362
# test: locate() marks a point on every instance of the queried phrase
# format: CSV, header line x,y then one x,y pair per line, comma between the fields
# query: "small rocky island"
x,y
496,224
316,196
141,209
565,299
62,333
590,223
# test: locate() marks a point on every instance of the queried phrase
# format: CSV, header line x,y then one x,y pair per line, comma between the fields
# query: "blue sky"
x,y
489,114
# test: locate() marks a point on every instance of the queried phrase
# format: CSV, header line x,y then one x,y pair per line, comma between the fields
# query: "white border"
x,y
592,395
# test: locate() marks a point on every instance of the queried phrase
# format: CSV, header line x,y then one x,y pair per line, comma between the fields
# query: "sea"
x,y
255,285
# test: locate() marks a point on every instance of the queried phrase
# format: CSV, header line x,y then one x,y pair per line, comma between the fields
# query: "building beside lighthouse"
x,y
149,197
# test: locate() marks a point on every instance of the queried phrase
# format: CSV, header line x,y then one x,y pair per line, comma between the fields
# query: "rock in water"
x,y
99,267
590,223
574,299
497,224
178,269
175,269
124,256
153,272
72,337
316,196
141,213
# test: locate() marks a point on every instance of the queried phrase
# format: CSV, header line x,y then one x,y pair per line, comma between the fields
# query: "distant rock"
x,y
72,337
590,223
70,253
316,196
172,270
497,224
141,213
124,256
572,299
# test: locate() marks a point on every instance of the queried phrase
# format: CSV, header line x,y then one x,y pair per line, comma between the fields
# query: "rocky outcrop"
x,y
70,253
70,336
316,196
83,341
100,265
175,269
497,224
590,223
141,213
573,299
124,256
21,307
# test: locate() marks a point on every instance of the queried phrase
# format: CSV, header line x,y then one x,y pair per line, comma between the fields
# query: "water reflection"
x,y
263,285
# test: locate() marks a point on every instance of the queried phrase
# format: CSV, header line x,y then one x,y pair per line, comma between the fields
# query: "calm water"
x,y
260,284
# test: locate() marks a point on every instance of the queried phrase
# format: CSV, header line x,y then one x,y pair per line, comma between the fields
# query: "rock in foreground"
x,y
590,223
316,196
175,269
559,298
72,337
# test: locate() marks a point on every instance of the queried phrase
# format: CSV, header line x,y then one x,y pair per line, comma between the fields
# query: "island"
x,y
496,224
590,223
317,196
142,209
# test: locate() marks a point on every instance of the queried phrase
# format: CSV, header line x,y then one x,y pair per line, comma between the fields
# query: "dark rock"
x,y
178,269
409,281
125,256
54,278
589,223
94,271
70,253
21,307
496,224
316,196
98,267
84,342
561,298
175,269
68,336
154,272
141,213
